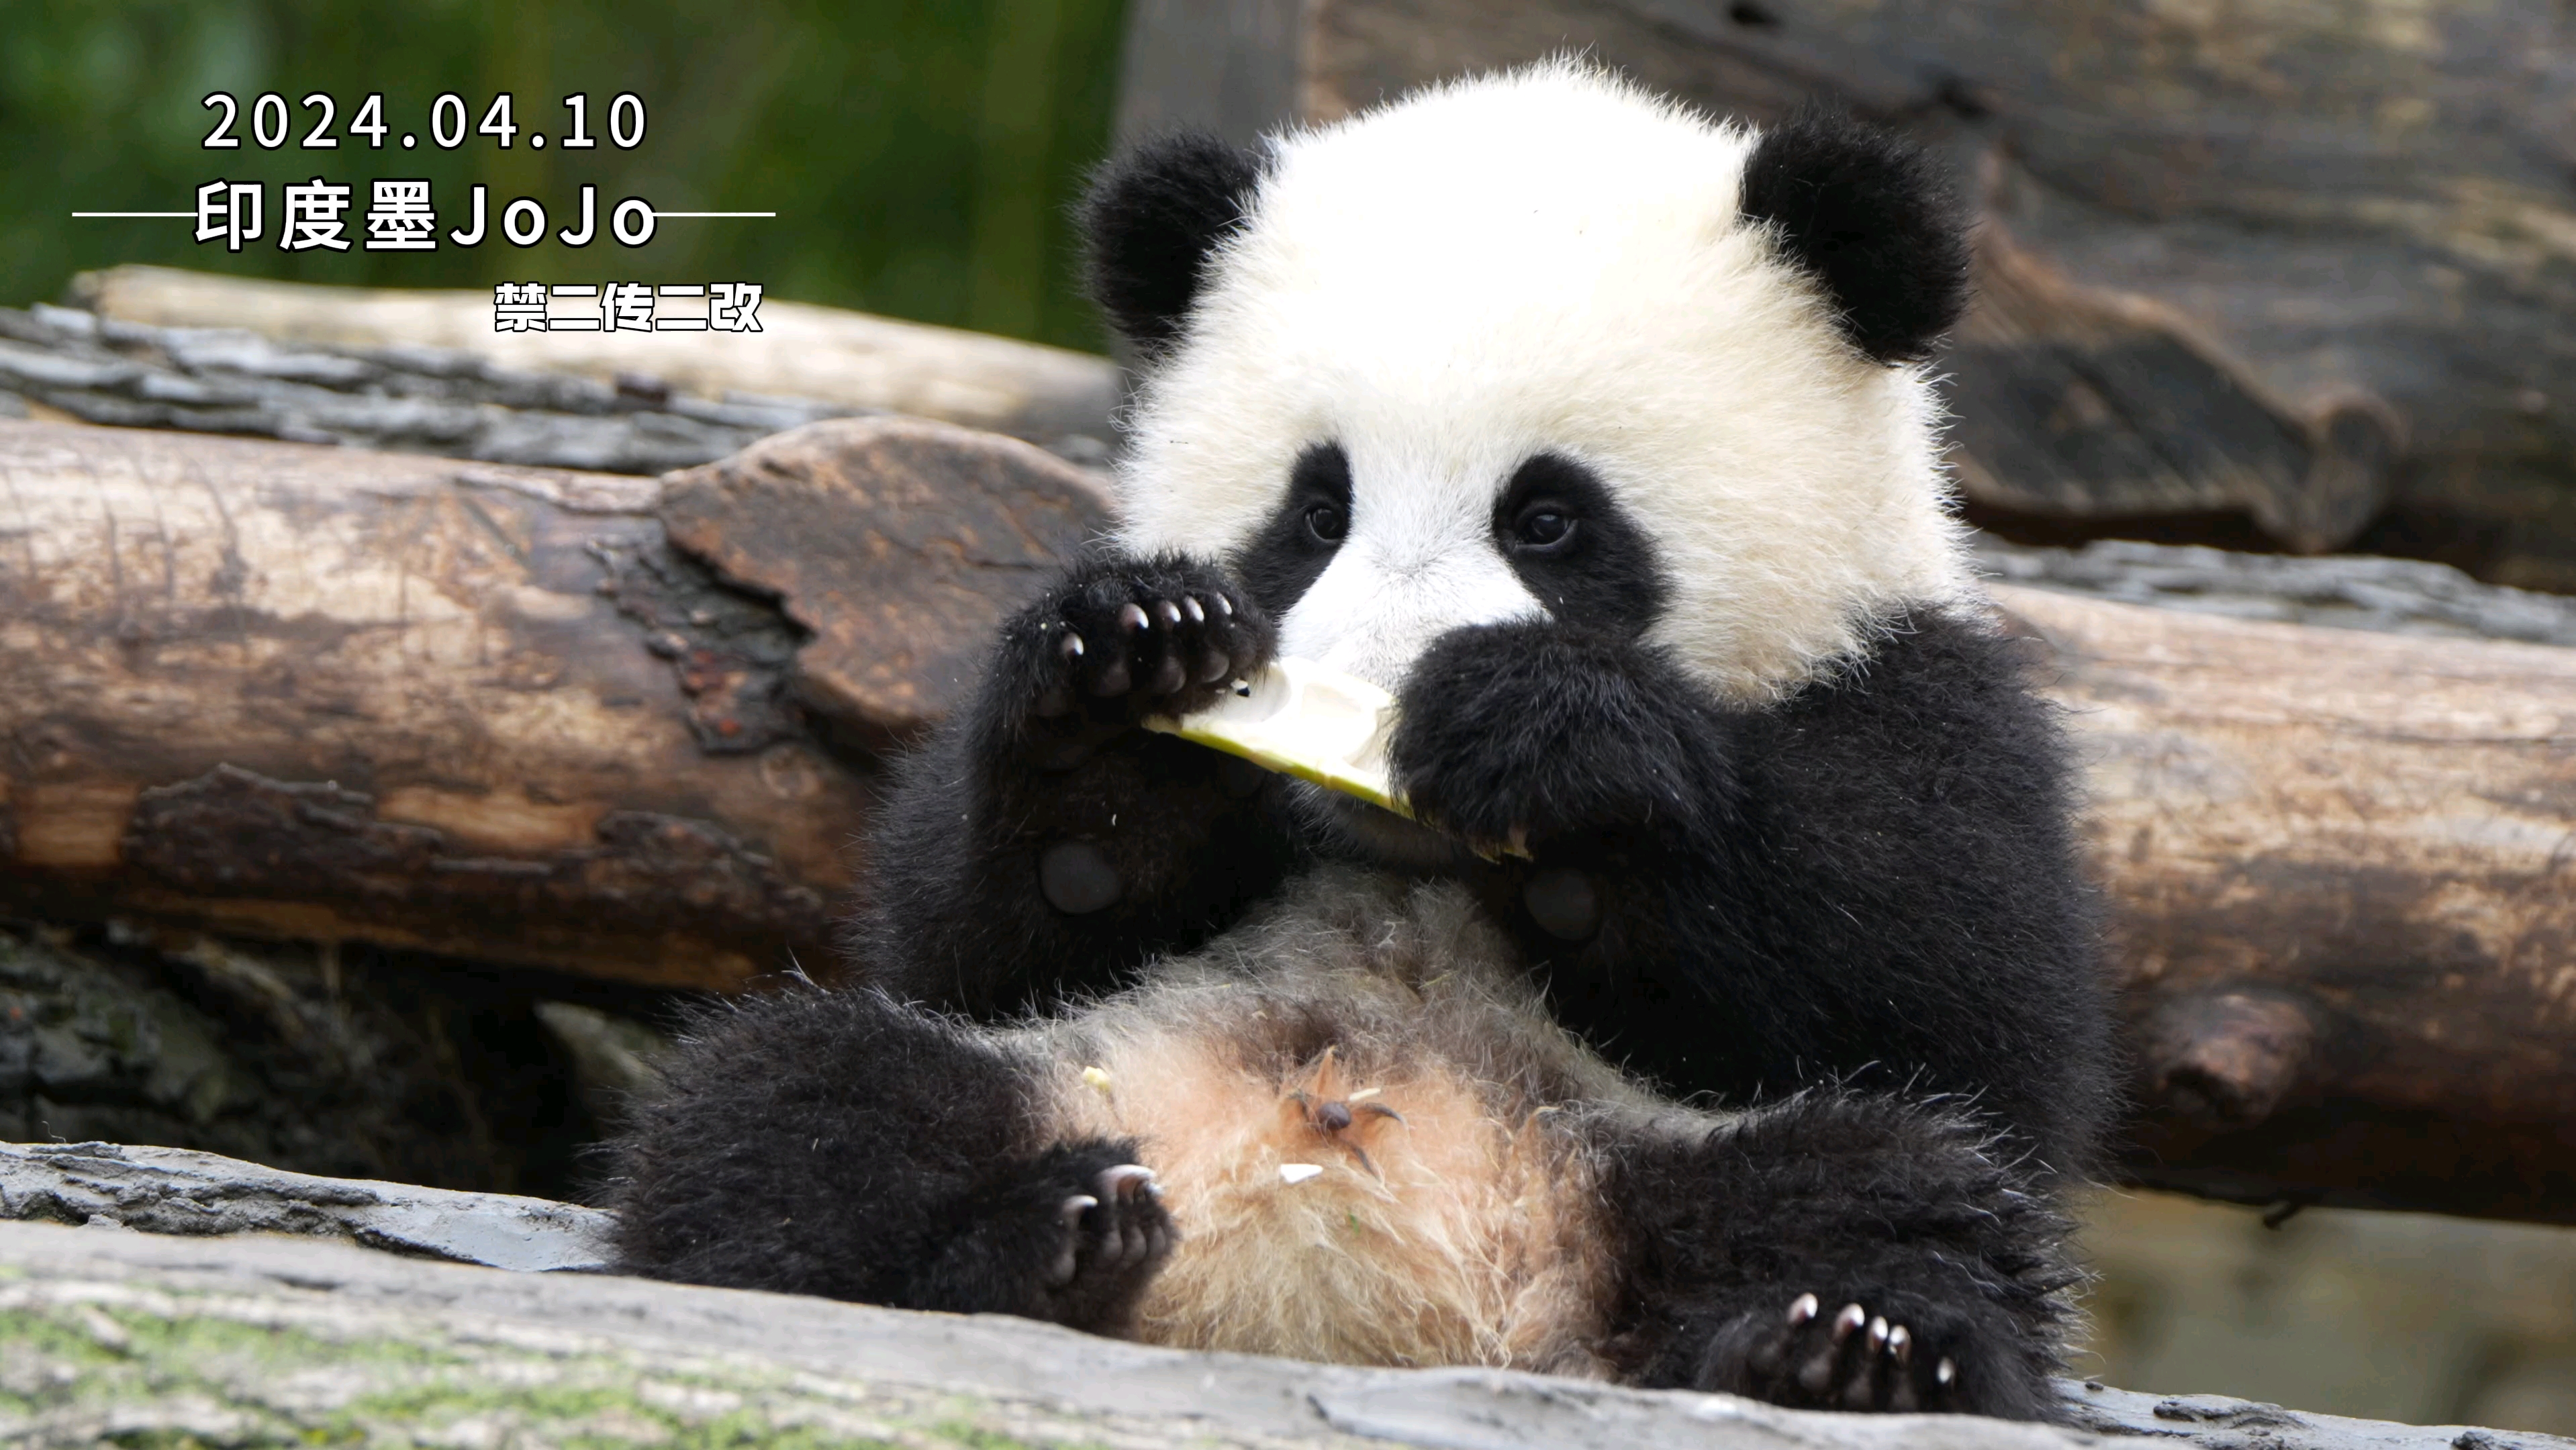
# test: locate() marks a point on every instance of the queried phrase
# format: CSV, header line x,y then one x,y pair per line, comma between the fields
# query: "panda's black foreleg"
x,y
847,1145
1845,1251
1042,841
1873,879
1527,731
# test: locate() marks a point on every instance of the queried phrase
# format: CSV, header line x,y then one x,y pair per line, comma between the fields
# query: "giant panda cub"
x,y
1600,434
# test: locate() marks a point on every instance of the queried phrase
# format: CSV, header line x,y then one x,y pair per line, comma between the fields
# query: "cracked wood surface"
x,y
2341,879
586,722
802,353
325,693
258,1340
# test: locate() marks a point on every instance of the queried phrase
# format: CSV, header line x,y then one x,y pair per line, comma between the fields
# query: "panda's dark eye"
x,y
1327,523
1544,527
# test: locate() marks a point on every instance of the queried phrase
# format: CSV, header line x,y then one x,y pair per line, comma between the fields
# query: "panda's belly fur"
x,y
1379,1032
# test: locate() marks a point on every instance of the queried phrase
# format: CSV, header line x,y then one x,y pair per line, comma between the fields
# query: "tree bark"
x,y
257,1341
2341,877
630,729
71,366
826,354
489,711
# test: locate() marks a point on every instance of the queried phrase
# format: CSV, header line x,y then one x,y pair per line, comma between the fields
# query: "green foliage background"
x,y
922,155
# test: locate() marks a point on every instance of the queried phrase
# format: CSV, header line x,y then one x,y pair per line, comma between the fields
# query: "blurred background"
x,y
2335,316
920,156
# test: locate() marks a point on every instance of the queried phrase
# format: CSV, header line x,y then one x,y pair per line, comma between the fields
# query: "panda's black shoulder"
x,y
1941,680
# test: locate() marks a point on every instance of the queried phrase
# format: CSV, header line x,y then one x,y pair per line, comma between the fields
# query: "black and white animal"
x,y
1601,435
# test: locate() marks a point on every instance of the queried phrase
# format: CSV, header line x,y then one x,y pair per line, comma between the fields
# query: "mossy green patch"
x,y
241,1373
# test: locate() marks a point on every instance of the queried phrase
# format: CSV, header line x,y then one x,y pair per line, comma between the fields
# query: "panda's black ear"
x,y
1872,217
1153,215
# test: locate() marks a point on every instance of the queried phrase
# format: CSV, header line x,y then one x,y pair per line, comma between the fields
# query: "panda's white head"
x,y
1540,343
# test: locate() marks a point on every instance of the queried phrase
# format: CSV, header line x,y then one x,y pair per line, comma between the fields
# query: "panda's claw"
x,y
1123,1181
1055,695
1855,1358
1143,637
1816,1376
1114,1237
1067,1260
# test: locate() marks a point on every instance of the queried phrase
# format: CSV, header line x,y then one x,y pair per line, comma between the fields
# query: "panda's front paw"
x,y
1819,1354
1124,637
1511,734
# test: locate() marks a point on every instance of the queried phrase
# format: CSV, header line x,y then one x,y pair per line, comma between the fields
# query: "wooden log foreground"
x,y
588,723
259,1340
240,1335
2308,266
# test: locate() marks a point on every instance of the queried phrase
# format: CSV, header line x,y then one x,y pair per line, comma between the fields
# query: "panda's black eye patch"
x,y
1576,549
1282,562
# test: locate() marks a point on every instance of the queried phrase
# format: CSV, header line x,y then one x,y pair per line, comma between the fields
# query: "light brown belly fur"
x,y
1375,1032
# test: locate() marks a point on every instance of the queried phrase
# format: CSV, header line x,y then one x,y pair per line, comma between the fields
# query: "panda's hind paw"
x,y
1068,1259
1115,1237
1848,1358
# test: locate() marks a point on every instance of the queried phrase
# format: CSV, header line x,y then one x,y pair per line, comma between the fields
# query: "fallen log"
x,y
324,694
203,1195
2341,877
73,366
629,730
827,355
262,1339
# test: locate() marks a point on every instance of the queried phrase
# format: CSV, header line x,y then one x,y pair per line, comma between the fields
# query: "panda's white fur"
x,y
1549,259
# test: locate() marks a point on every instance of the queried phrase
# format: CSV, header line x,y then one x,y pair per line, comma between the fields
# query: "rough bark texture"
x,y
2342,903
319,693
2303,265
895,546
57,361
523,717
126,1337
2397,596
803,355
200,1195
